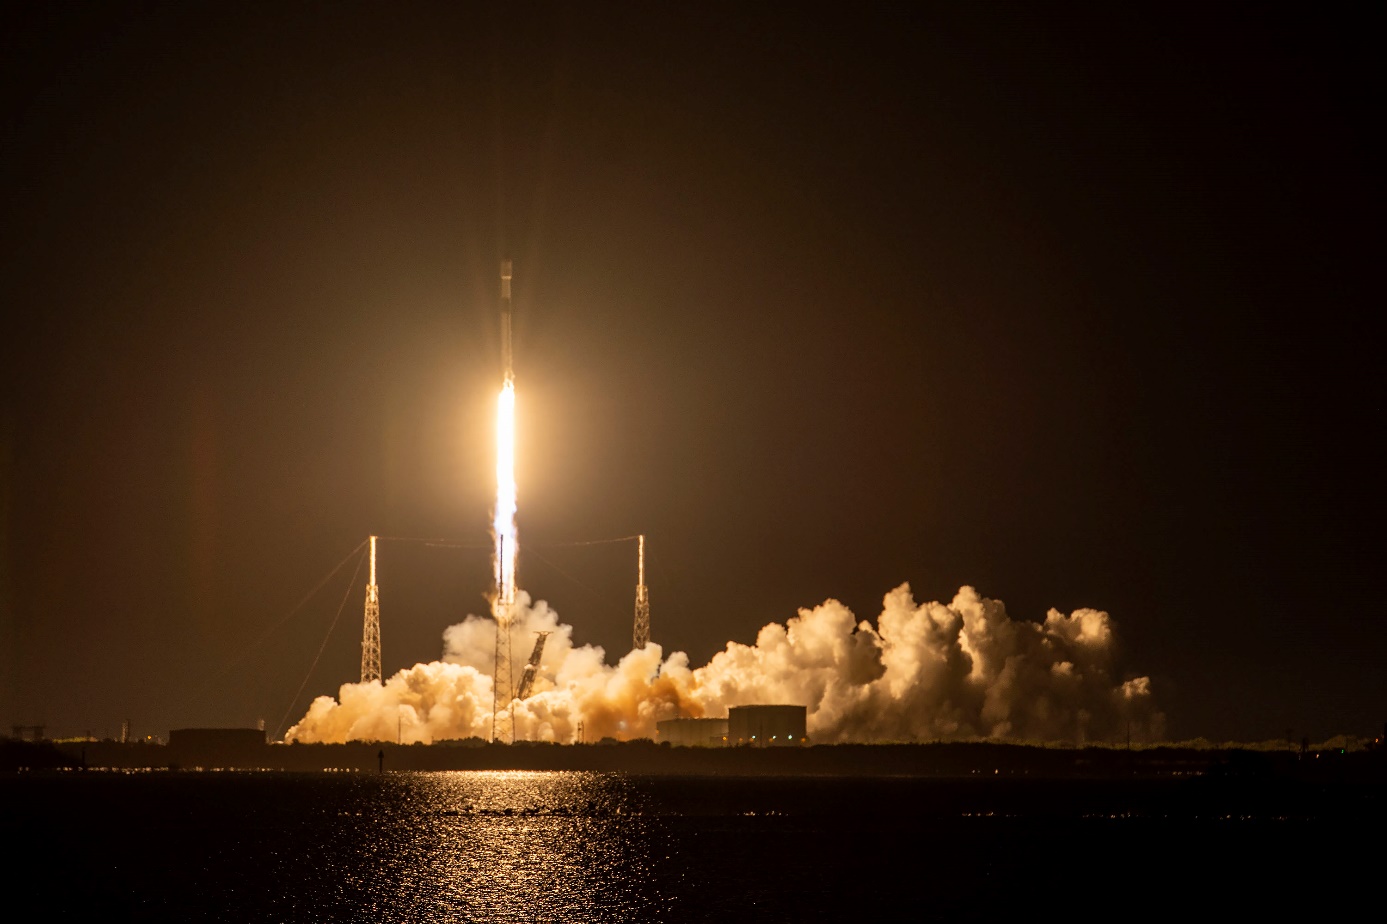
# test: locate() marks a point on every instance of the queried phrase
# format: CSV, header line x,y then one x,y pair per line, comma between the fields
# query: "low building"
x,y
692,733
767,726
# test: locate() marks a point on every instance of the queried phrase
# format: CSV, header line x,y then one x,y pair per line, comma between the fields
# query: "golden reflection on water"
x,y
522,845
401,848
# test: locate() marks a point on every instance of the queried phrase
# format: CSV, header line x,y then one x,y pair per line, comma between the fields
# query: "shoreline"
x,y
953,760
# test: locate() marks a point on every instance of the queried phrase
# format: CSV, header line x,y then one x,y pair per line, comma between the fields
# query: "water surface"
x,y
606,847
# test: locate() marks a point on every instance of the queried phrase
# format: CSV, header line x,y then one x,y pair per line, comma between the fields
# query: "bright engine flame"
x,y
504,524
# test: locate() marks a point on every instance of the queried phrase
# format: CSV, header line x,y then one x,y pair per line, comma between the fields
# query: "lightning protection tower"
x,y
640,635
370,636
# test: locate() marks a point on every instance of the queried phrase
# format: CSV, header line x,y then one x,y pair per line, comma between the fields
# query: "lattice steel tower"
x,y
370,636
640,636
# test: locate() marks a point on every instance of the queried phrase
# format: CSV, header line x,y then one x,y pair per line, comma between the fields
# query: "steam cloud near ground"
x,y
924,672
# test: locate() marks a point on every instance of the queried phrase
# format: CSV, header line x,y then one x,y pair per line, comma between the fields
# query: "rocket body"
x,y
506,357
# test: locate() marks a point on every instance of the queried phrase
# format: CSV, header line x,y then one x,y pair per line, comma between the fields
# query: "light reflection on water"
x,y
500,846
605,847
522,846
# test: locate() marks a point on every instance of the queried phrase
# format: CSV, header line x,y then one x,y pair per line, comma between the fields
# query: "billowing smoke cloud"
x,y
925,672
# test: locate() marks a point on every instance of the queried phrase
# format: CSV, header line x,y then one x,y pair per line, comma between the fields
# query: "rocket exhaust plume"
x,y
503,525
923,672
936,671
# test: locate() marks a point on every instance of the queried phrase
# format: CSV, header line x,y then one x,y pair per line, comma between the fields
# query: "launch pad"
x,y
503,597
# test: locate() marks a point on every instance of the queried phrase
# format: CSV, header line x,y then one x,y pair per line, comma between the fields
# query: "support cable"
x,y
452,544
439,543
226,668
530,550
559,545
321,648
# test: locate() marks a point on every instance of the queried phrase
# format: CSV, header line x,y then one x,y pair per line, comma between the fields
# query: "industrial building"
x,y
746,726
766,726
692,733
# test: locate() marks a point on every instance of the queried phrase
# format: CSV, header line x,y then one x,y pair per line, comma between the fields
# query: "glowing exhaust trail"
x,y
504,524
503,528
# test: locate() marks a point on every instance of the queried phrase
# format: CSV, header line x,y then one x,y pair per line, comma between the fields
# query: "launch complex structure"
x,y
370,635
505,692
640,633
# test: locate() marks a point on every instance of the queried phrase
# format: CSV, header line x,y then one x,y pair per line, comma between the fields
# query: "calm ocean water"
x,y
596,847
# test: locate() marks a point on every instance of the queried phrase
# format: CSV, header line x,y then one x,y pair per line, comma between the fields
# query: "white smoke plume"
x,y
925,672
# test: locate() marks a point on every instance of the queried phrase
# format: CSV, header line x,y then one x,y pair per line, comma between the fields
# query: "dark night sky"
x,y
1068,303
